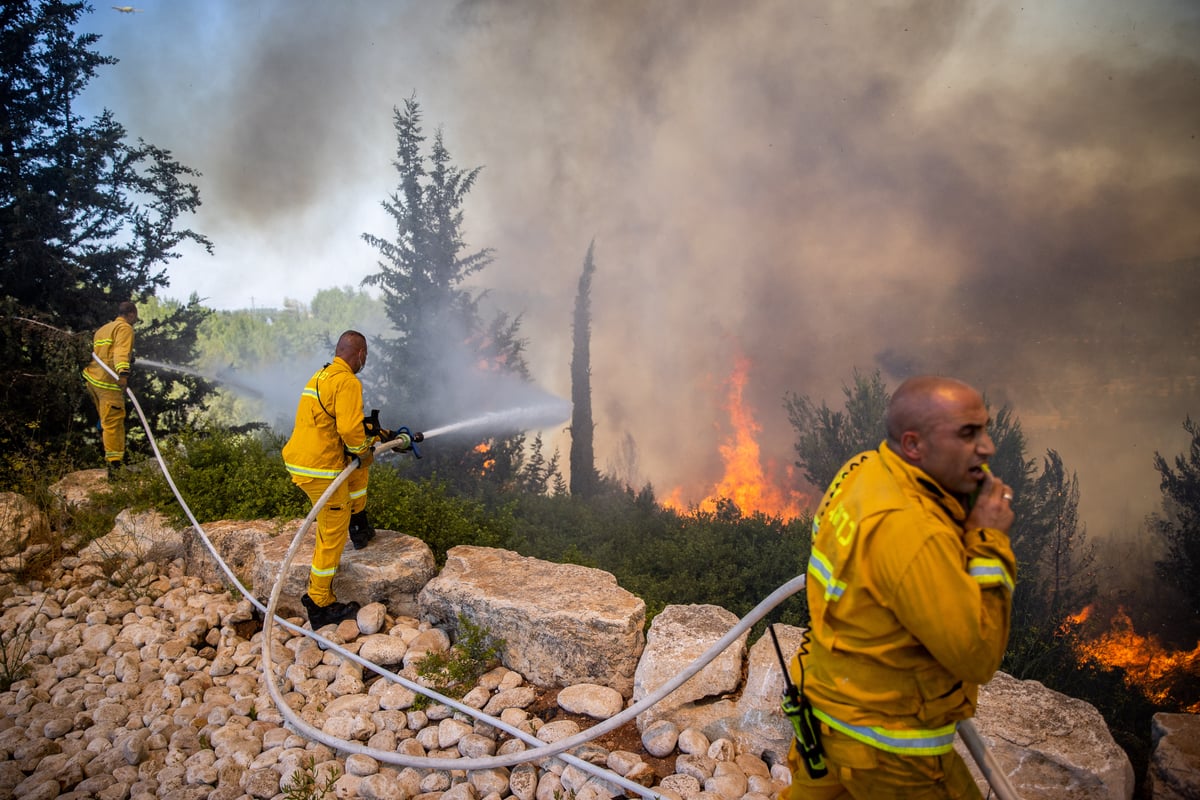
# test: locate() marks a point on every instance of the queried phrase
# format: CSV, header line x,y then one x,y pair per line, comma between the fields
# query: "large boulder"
x,y
562,624
760,725
236,542
1175,764
1049,744
723,705
75,489
141,535
21,522
679,635
391,570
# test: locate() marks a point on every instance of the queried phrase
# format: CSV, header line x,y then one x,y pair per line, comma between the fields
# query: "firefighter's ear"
x,y
911,449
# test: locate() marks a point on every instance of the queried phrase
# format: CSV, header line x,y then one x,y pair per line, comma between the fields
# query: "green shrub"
x,y
426,510
28,463
455,672
304,784
227,475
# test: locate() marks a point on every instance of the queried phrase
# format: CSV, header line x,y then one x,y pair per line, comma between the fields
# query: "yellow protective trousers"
x,y
110,405
863,772
333,528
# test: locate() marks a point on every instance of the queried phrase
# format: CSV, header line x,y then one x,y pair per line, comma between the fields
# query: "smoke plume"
x,y
1001,192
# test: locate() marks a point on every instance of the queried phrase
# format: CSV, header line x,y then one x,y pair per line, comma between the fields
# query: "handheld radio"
x,y
800,713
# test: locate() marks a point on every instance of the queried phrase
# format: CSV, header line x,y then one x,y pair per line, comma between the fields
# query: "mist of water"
x,y
221,379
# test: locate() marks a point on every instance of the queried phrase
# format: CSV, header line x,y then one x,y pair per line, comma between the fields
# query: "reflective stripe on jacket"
x,y
329,423
113,342
910,612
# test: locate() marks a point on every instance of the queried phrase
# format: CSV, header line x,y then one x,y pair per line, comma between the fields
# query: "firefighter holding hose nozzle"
x,y
330,431
909,589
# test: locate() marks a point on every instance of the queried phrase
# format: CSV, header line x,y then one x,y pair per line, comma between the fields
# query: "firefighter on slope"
x,y
329,432
113,344
910,589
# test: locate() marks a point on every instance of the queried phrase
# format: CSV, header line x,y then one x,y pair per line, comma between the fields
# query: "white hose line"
x,y
187,510
396,759
544,750
991,770
975,745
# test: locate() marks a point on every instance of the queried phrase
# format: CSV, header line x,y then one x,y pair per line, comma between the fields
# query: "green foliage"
x,y
170,399
87,219
455,672
827,439
225,475
248,339
424,266
305,785
584,478
1178,525
27,457
1061,557
444,361
537,474
426,510
721,558
43,427
1054,559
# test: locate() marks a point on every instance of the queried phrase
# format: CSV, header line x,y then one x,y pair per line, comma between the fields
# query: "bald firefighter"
x,y
112,344
910,586
328,434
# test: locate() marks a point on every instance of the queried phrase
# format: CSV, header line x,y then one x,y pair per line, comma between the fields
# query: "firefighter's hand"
x,y
123,380
366,458
993,508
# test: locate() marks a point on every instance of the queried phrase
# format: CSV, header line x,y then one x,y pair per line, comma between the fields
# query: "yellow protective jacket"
x,y
329,423
910,612
113,342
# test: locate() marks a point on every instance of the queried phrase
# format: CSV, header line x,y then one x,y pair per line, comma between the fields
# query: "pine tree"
x,y
1178,525
584,479
87,219
826,439
441,358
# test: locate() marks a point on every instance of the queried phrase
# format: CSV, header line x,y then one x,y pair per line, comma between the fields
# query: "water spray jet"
x,y
540,415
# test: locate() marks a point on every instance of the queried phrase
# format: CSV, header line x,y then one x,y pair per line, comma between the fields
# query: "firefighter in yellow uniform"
x,y
328,433
113,344
909,590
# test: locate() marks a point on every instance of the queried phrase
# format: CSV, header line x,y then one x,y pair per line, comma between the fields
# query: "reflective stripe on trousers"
x,y
858,771
333,528
110,405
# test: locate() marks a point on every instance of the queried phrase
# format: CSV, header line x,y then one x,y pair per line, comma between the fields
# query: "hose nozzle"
x,y
408,440
406,437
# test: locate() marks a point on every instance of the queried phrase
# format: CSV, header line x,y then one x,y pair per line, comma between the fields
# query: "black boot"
x,y
332,614
361,531
115,470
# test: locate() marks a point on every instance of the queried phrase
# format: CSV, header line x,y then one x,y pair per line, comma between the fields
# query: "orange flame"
x,y
1146,663
484,447
745,482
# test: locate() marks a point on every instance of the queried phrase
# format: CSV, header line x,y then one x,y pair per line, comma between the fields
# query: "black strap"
x,y
317,389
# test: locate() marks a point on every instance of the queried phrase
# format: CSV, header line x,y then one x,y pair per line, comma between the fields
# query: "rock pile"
x,y
153,689
145,680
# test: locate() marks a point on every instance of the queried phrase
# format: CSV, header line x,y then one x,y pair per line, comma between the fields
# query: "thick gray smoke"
x,y
999,191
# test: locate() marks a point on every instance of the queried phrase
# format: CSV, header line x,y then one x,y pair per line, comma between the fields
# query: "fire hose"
x,y
995,776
